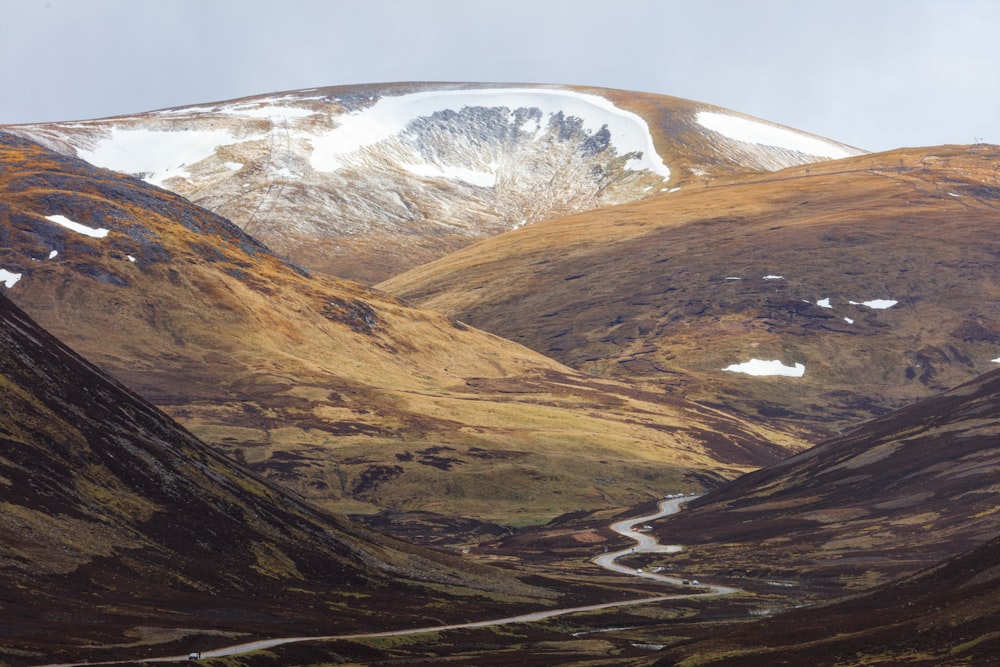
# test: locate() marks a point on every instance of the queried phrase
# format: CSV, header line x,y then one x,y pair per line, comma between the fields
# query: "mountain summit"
x,y
367,181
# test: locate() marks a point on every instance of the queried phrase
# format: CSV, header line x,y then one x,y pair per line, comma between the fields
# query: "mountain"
x,y
945,616
366,181
337,391
121,530
815,296
902,492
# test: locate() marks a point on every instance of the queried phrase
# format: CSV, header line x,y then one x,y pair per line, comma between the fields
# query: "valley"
x,y
873,274
606,561
337,376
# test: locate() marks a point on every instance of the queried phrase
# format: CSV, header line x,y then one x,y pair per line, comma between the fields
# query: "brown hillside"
x,y
338,391
944,617
672,290
902,492
119,529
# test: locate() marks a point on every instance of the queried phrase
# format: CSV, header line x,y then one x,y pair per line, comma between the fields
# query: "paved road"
x,y
645,543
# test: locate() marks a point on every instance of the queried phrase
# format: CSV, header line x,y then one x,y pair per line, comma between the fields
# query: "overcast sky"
x,y
877,74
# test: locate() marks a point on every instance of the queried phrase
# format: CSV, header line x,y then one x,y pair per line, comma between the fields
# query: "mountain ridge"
x,y
416,170
896,494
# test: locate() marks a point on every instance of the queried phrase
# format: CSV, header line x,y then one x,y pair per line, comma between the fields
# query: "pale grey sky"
x,y
877,74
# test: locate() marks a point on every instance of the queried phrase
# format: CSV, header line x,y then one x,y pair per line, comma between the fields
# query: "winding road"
x,y
644,544
649,544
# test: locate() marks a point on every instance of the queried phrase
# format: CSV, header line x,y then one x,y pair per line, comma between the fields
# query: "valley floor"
x,y
628,629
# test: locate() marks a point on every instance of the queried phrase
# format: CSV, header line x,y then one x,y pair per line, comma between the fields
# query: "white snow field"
x,y
159,154
390,115
876,304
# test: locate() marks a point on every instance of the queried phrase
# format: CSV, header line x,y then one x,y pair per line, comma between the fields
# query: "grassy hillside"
x,y
878,274
337,391
902,492
123,534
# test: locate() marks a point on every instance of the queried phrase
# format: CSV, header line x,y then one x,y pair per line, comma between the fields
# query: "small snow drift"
x,y
9,278
876,304
762,368
63,221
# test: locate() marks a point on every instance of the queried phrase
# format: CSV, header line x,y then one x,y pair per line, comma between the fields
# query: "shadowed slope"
x,y
119,528
902,492
877,274
944,617
336,390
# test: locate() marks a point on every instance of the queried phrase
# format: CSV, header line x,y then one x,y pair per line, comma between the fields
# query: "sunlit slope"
x,y
340,392
866,282
366,181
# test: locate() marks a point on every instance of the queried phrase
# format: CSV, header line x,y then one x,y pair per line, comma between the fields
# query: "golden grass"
x,y
323,384
881,224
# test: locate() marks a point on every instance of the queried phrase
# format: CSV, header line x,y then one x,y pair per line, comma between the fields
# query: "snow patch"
x,y
130,258
760,368
773,277
235,166
9,278
766,134
63,221
53,253
824,303
849,320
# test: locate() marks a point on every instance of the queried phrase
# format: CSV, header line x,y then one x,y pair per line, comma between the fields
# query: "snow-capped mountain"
x,y
366,181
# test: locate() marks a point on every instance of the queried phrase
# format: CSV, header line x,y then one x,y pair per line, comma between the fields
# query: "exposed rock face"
x,y
366,181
